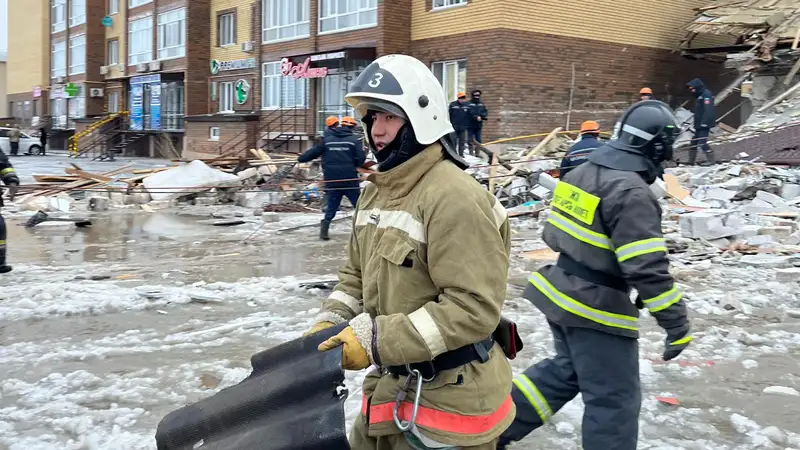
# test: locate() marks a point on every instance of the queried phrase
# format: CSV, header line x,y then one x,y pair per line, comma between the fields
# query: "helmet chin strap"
x,y
401,149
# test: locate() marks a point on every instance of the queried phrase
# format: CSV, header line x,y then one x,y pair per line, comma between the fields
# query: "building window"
x,y
213,134
278,91
285,19
340,15
58,15
113,6
77,55
172,34
58,112
447,3
77,109
58,59
112,57
135,3
140,40
226,97
77,12
226,29
453,77
113,101
173,107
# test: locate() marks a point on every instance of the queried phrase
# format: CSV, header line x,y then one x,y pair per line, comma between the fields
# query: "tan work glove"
x,y
318,327
354,356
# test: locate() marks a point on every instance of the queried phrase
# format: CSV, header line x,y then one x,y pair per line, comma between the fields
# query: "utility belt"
x,y
505,335
573,267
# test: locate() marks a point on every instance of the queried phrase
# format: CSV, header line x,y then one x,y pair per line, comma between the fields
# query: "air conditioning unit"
x,y
96,92
60,80
155,65
103,70
248,46
141,67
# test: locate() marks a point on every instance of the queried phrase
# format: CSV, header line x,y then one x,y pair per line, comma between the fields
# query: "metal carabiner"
x,y
401,396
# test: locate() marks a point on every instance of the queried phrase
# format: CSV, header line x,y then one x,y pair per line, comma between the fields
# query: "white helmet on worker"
x,y
404,86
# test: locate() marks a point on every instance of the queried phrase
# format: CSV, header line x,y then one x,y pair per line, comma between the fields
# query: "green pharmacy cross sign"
x,y
242,89
71,89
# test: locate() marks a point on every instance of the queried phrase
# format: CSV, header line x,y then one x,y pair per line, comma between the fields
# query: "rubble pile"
x,y
265,183
742,208
523,175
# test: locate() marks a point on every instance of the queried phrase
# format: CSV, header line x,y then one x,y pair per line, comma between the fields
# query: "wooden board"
x,y
674,188
55,178
542,254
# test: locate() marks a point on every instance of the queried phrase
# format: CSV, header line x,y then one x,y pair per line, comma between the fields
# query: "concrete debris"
x,y
710,225
781,390
195,176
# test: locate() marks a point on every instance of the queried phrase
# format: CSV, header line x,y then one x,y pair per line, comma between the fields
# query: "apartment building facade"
x,y
28,61
226,75
539,64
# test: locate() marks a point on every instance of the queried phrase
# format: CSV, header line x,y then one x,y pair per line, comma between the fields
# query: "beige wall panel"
x,y
28,45
244,19
476,15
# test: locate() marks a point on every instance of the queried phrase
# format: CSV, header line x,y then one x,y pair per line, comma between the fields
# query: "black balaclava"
x,y
404,146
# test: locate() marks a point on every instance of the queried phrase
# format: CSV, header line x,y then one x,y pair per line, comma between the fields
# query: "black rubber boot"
x,y
692,156
3,267
323,230
710,157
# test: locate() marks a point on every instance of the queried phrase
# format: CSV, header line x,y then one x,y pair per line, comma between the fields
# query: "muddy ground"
x,y
106,329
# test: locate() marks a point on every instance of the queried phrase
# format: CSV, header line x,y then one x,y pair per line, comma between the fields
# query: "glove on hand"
x,y
318,327
10,179
678,339
354,355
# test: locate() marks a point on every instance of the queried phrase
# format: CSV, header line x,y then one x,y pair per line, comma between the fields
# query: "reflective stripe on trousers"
x,y
438,420
579,309
535,398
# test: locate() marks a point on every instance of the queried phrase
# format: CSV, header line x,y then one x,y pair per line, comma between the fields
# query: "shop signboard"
x,y
155,106
137,112
216,66
137,102
242,90
303,70
37,91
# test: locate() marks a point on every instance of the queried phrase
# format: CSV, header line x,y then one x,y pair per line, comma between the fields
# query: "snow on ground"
x,y
108,329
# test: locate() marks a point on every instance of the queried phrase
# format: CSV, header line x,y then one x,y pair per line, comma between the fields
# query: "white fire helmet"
x,y
404,86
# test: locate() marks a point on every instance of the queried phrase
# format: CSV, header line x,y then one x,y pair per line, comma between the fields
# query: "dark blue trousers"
x,y
603,368
335,200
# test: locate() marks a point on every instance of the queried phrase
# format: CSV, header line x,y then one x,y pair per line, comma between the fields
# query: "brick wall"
x,y
198,48
525,77
394,27
233,136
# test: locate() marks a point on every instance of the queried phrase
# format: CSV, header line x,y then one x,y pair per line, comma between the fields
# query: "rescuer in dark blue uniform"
x,y
579,153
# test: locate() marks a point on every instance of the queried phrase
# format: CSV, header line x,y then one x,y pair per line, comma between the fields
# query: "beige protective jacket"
x,y
428,259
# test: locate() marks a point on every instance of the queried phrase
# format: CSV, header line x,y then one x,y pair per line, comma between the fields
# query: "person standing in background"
x,y
43,139
460,119
13,138
645,93
478,115
705,117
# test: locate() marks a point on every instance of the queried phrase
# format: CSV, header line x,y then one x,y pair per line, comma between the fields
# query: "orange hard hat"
x,y
645,91
331,121
348,121
461,95
590,126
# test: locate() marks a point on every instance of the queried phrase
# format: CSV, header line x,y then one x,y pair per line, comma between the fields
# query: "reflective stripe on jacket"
x,y
609,221
428,259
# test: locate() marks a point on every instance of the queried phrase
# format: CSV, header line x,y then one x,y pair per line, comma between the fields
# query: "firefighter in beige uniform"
x,y
425,277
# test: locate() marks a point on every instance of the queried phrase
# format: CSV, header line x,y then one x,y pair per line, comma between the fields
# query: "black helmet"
x,y
648,128
642,140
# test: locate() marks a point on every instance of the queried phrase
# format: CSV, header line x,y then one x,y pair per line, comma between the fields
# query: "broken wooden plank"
x,y
530,154
790,76
542,254
55,178
674,188
492,173
796,39
87,175
780,98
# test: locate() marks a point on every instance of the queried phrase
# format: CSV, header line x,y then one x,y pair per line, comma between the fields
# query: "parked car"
x,y
27,143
